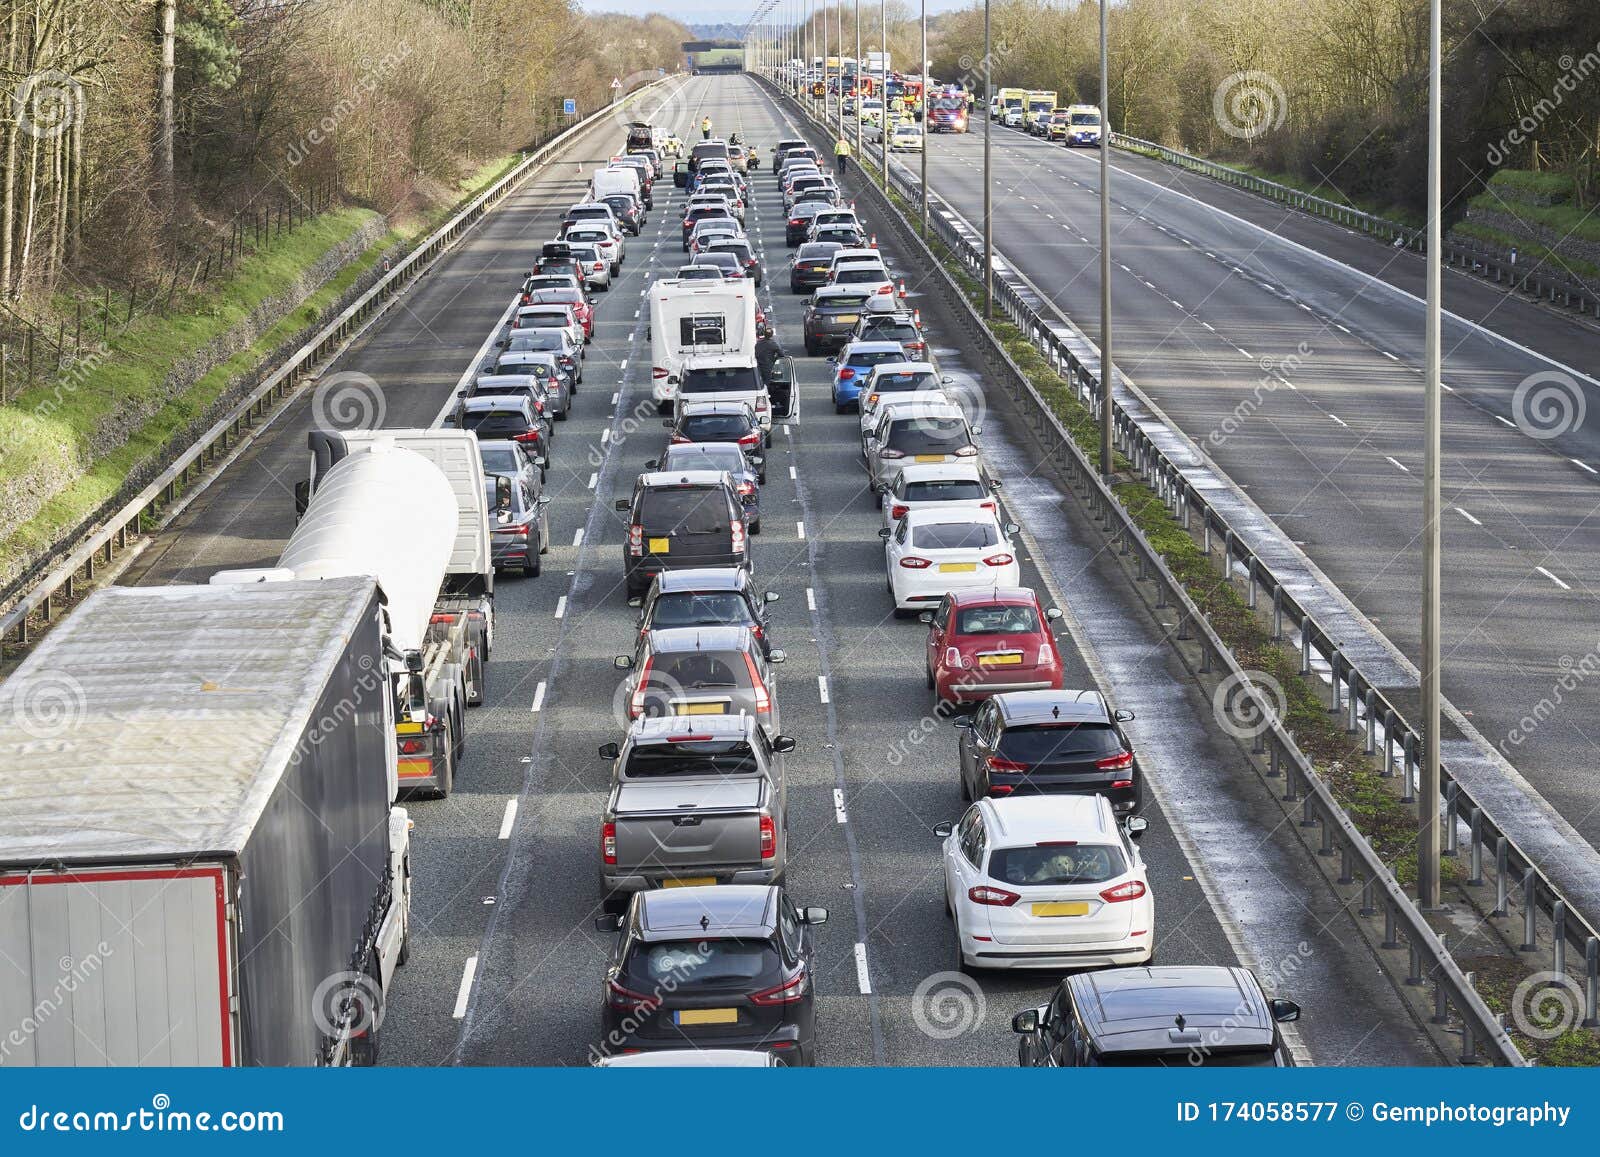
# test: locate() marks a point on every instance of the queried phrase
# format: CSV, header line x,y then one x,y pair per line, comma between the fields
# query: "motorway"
x,y
506,966
1289,350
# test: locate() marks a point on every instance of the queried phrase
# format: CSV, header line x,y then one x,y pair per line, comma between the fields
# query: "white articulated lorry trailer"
x,y
200,863
410,508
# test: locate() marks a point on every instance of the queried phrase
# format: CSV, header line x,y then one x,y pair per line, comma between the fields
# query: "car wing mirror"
x,y
777,656
1012,528
926,617
814,915
624,504
609,750
1136,826
884,532
1027,1022
1285,1011
1122,715
1052,613
783,744
623,662
609,922
943,828
962,721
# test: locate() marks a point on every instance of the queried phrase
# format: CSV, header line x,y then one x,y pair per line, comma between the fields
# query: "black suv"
x,y
1041,742
682,519
808,268
729,966
1156,1017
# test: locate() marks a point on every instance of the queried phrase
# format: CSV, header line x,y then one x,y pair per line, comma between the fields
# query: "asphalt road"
x,y
506,965
1289,349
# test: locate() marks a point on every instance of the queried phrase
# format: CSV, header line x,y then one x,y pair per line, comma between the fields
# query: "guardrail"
x,y
43,601
1363,706
1484,260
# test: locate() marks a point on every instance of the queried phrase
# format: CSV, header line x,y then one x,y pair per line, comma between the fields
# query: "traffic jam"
x,y
713,961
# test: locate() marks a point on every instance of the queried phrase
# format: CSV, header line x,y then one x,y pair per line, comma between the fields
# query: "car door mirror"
x,y
609,750
1285,1011
1135,826
539,461
943,828
545,500
623,662
878,487
884,533
946,379
1012,528
994,484
636,601
624,504
1027,1022
667,422
609,922
783,744
962,721
1052,613
815,915
777,657
926,617
770,597
1122,715
976,430
757,460
652,463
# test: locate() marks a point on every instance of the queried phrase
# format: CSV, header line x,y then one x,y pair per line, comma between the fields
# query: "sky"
x,y
715,11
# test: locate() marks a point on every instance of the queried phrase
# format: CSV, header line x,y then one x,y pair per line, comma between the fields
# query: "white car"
x,y
930,553
1047,881
549,317
871,111
596,269
844,257
902,380
608,242
906,138
873,278
1012,117
958,486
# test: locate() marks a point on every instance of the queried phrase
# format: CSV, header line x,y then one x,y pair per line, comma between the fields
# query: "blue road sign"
x,y
569,107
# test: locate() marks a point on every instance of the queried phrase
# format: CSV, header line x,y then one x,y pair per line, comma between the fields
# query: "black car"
x,y
509,416
831,317
798,222
1156,1017
747,470
781,151
729,966
680,519
808,268
703,213
706,597
1035,742
901,325
628,212
749,263
710,421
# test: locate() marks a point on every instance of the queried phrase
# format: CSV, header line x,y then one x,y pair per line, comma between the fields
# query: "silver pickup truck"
x,y
694,800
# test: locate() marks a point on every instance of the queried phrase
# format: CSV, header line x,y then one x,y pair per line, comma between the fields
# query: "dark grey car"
x,y
519,528
742,467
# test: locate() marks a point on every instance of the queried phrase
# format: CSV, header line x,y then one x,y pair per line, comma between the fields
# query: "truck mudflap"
x,y
427,755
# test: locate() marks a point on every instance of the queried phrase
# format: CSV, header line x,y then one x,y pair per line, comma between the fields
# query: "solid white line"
x,y
472,366
863,978
464,993
624,366
538,697
509,819
792,474
1244,351
593,478
1505,421
561,607
1584,466
839,813
577,538
1552,578
822,687
1396,462
605,435
1340,420
1468,515
616,397
800,529
811,599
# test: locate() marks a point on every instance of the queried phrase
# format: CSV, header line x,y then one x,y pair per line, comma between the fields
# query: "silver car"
x,y
919,432
680,671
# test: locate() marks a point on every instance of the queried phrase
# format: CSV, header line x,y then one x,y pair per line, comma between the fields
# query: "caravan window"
x,y
703,329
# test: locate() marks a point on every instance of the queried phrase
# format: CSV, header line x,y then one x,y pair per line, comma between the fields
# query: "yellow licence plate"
x,y
957,567
848,318
690,882
1071,908
999,660
930,458
699,708
708,1016
660,545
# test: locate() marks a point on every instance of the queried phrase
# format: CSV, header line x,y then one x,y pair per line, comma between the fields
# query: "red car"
x,y
985,642
573,297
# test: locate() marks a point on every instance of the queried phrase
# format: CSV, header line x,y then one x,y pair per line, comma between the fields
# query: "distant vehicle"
x,y
905,138
1036,114
1084,128
519,525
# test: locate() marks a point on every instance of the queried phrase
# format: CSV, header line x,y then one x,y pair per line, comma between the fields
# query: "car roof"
x,y
847,254
1024,820
652,479
827,291
1066,706
726,908
1136,1009
921,516
909,411
831,247
702,578
682,640
888,369
871,347
932,471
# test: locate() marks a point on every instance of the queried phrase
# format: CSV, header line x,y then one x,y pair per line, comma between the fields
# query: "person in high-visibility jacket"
x,y
705,129
841,155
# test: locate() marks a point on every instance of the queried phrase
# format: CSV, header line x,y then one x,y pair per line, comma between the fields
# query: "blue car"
x,y
853,366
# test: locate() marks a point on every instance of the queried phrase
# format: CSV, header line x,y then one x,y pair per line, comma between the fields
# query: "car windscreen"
x,y
842,301
494,423
1085,118
537,343
1057,864
928,435
704,757
1001,619
949,105
816,251
947,490
954,535
1043,742
719,379
700,964
860,275
700,609
901,331
715,427
688,509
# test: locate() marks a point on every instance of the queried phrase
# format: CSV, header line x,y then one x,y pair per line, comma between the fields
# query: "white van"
x,y
705,318
621,179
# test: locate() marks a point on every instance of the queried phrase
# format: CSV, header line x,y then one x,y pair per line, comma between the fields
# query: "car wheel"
x,y
755,527
761,478
562,416
535,565
839,407
961,962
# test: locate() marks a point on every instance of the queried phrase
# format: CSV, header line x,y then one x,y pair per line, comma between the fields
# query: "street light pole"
x,y
858,78
1428,789
1108,371
840,9
922,71
883,90
988,193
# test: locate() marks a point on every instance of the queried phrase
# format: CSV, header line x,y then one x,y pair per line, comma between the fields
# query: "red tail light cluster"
x,y
769,838
636,540
608,843
998,560
914,562
628,1001
1131,890
991,896
789,992
1011,765
1120,762
898,511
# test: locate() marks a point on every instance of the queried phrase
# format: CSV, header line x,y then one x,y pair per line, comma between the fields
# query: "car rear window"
x,y
537,343
997,620
713,380
874,357
705,964
524,369
736,249
708,757
674,674
706,456
1043,742
954,535
928,435
501,460
943,490
900,331
692,509
1057,864
494,423
715,427
843,301
860,275
700,609
816,251
544,319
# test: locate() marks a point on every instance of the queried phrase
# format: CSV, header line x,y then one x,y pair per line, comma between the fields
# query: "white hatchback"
x,y
609,243
929,553
950,487
1047,881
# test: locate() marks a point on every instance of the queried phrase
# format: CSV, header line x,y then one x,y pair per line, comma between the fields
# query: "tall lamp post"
x,y
858,77
988,194
840,9
883,90
922,71
1108,372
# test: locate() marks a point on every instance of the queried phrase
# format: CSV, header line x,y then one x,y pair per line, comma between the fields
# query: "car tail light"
x,y
788,992
891,454
1131,890
747,488
797,220
1120,762
1122,783
998,560
1047,658
898,511
628,1001
640,689
763,700
846,374
769,838
967,452
598,266
679,440
636,540
750,439
527,436
413,746
954,658
761,404
608,843
986,506
914,562
538,406
1000,789
994,897
885,288
657,372
1008,765
513,531
736,529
